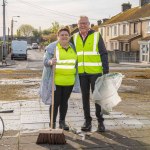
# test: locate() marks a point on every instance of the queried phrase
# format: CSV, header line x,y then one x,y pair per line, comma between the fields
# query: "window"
x,y
135,28
107,31
126,47
112,46
148,28
115,30
124,29
115,45
144,49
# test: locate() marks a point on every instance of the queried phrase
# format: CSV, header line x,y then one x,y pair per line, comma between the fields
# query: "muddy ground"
x,y
135,87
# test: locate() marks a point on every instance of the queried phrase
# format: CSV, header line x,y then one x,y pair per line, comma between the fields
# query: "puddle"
x,y
126,88
19,81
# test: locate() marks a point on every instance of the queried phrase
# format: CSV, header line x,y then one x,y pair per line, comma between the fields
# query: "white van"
x,y
19,49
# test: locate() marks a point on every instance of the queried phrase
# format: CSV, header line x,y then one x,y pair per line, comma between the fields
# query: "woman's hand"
x,y
53,61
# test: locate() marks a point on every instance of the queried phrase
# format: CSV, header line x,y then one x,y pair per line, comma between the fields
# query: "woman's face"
x,y
63,37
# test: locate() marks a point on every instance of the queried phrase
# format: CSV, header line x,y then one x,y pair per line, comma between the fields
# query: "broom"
x,y
51,136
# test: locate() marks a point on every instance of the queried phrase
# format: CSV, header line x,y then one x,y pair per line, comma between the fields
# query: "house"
x,y
129,31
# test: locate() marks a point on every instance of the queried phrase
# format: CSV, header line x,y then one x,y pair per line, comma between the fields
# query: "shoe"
x,y
86,126
101,127
63,125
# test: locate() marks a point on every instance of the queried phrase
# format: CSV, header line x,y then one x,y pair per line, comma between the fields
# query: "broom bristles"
x,y
53,136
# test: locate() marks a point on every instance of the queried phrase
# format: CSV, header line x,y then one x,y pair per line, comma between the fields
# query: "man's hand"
x,y
105,71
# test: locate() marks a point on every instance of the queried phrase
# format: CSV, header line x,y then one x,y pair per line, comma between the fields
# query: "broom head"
x,y
51,136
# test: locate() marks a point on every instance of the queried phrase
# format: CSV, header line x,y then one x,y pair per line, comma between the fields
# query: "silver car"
x,y
34,46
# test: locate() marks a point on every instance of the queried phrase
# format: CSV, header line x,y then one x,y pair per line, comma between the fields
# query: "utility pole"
x,y
8,34
12,29
8,48
12,26
4,32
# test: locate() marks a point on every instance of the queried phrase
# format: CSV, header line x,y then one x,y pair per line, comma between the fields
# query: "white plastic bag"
x,y
105,93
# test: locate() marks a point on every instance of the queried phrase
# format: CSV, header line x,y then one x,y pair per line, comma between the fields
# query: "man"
x,y
92,63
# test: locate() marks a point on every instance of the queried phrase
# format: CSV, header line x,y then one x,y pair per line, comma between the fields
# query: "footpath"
x,y
123,132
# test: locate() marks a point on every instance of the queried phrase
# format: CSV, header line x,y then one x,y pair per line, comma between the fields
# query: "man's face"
x,y
83,25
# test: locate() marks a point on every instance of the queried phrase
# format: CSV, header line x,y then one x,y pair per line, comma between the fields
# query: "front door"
x,y
145,53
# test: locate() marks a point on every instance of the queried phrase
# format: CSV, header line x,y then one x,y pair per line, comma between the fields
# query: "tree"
x,y
18,33
36,33
53,37
55,27
46,31
26,30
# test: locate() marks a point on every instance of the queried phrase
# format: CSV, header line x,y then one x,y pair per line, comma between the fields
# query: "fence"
x,y
117,56
5,53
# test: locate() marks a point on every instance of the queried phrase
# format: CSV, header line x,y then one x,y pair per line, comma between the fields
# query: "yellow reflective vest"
x,y
65,67
89,59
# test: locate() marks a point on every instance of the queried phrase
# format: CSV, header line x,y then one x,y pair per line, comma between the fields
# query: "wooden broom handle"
x,y
53,78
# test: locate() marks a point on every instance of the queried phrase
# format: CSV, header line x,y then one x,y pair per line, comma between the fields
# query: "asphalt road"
x,y
34,61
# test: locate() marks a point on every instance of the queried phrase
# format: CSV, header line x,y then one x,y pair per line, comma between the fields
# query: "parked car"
x,y
29,47
34,46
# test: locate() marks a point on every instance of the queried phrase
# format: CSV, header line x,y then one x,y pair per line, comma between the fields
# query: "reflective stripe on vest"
x,y
87,53
65,66
59,62
89,64
95,40
89,59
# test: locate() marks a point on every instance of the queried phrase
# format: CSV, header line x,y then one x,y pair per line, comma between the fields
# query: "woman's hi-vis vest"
x,y
89,59
65,67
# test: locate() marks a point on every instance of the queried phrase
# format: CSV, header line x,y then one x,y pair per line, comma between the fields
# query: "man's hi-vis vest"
x,y
89,60
65,67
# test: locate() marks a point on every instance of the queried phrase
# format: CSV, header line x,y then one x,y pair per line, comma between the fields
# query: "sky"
x,y
42,13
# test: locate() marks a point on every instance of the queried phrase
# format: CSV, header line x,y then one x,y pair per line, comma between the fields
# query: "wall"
x,y
145,28
0,53
134,45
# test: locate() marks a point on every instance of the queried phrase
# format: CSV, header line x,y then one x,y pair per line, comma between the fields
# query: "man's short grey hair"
x,y
83,17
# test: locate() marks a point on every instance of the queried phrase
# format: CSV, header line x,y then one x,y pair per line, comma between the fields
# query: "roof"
x,y
74,30
126,37
146,38
130,14
95,27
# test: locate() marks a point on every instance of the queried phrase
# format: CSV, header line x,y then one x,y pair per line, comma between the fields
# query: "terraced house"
x,y
127,34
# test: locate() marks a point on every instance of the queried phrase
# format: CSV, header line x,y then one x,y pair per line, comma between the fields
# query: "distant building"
x,y
129,31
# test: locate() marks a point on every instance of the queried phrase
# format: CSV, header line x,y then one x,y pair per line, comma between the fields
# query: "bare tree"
x,y
26,30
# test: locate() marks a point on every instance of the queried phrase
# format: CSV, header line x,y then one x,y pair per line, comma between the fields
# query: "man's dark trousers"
x,y
87,81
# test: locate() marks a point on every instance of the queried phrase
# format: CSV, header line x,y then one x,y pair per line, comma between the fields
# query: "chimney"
x,y
99,22
144,2
126,6
92,25
105,19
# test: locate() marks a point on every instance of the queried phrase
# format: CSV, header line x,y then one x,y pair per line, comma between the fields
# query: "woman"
x,y
65,74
